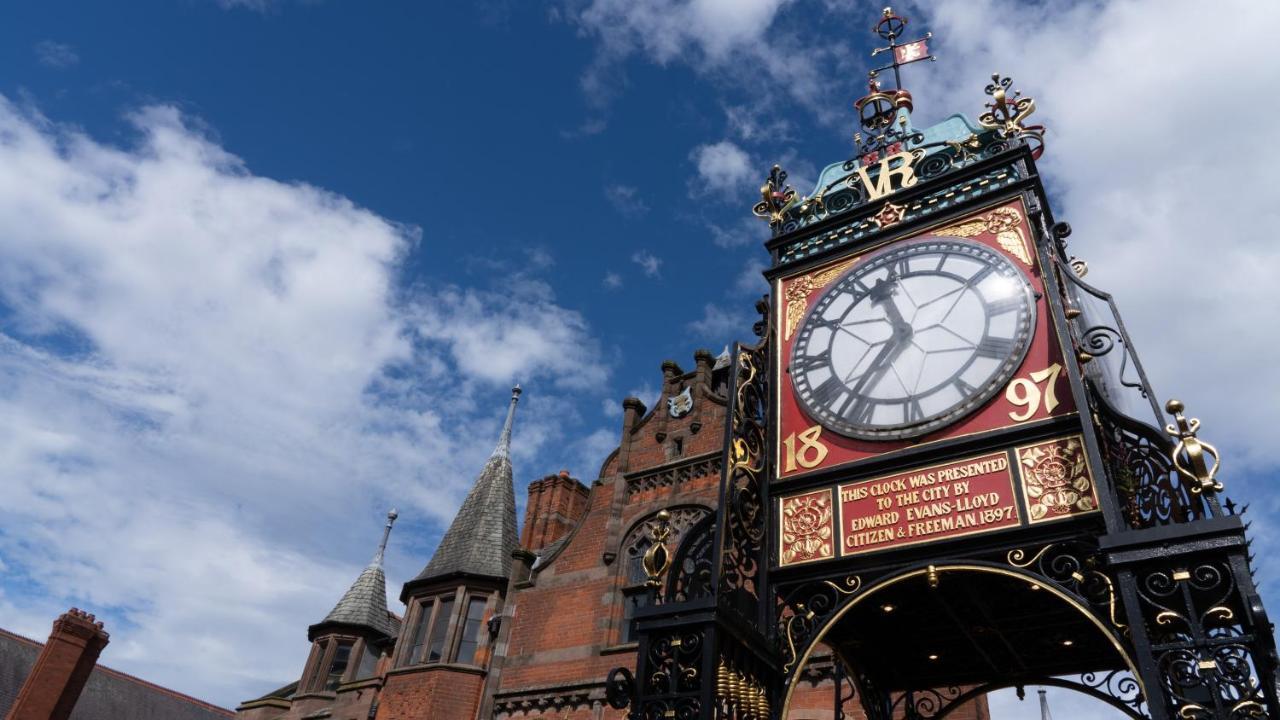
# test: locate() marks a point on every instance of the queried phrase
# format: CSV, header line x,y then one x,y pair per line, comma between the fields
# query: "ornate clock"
x,y
913,339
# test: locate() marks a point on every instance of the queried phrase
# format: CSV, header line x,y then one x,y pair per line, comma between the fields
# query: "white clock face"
x,y
913,339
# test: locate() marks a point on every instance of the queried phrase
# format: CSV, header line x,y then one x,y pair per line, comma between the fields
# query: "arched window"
x,y
640,538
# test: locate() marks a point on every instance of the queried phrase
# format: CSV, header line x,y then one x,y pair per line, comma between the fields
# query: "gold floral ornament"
x,y
1005,223
1055,477
1007,113
1190,453
806,528
776,198
801,288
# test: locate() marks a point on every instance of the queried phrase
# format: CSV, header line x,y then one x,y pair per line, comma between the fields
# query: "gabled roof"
x,y
108,695
365,602
483,534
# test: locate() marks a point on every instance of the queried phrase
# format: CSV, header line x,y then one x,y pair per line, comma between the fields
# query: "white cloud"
x,y
626,200
724,169
207,380
719,325
748,231
56,54
648,262
738,40
612,280
751,280
1176,225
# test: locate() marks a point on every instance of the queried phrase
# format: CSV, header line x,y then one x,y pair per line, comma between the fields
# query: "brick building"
x,y
61,680
526,626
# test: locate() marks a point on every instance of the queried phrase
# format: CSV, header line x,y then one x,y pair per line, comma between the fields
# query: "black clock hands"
x,y
882,295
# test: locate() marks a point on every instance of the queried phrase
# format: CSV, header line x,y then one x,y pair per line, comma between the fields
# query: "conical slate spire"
x,y
483,534
365,603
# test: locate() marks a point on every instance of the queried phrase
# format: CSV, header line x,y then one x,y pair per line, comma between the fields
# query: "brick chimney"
x,y
60,673
556,502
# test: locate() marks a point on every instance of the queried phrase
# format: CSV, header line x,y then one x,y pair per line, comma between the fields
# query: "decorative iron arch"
x,y
637,537
1081,687
692,573
855,595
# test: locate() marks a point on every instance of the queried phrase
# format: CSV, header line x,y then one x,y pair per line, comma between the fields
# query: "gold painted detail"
x,y
1005,223
1015,557
1248,708
1007,114
657,559
811,452
1181,575
1189,456
889,215
801,288
807,532
898,165
1190,711
776,198
1219,612
1079,267
1025,393
801,613
933,577
851,585
1055,477
742,692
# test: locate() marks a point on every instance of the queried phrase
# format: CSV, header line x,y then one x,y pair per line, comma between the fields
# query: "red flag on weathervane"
x,y
911,52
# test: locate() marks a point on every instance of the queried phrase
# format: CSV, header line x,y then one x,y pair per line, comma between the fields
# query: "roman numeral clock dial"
x,y
913,339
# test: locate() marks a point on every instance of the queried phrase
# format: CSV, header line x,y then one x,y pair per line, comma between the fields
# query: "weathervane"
x,y
886,129
890,28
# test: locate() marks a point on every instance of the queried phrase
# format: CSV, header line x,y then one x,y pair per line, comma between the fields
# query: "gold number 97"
x,y
1026,393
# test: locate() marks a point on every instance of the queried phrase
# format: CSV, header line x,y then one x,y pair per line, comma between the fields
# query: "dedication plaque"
x,y
944,501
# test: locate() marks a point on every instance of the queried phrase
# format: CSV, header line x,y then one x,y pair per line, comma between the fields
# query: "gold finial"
x,y
776,198
657,559
1189,454
932,577
1008,111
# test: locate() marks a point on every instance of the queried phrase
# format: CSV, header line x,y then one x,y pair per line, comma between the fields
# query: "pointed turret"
x,y
483,534
365,602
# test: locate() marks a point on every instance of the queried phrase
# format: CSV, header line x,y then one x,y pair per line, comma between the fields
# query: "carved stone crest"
x,y
680,405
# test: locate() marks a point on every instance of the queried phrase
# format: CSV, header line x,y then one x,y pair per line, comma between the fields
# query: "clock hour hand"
x,y
882,294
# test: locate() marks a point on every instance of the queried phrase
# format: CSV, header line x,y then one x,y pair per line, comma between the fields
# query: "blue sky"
x,y
268,268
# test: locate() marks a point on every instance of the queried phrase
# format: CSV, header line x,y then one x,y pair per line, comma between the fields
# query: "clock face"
x,y
913,339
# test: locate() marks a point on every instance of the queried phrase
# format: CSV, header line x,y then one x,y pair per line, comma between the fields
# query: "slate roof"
x,y
109,694
365,602
483,534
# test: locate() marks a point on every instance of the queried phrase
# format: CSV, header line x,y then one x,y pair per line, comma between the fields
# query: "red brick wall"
x,y
431,691
568,623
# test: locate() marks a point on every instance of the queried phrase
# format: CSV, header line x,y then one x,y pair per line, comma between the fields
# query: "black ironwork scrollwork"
x,y
620,688
693,568
742,508
1204,642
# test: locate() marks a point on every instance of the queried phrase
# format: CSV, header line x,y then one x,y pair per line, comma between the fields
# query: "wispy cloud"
x,y
626,200
612,280
56,54
648,262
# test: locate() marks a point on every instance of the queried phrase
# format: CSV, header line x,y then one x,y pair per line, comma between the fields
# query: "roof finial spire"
x,y
386,534
504,440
